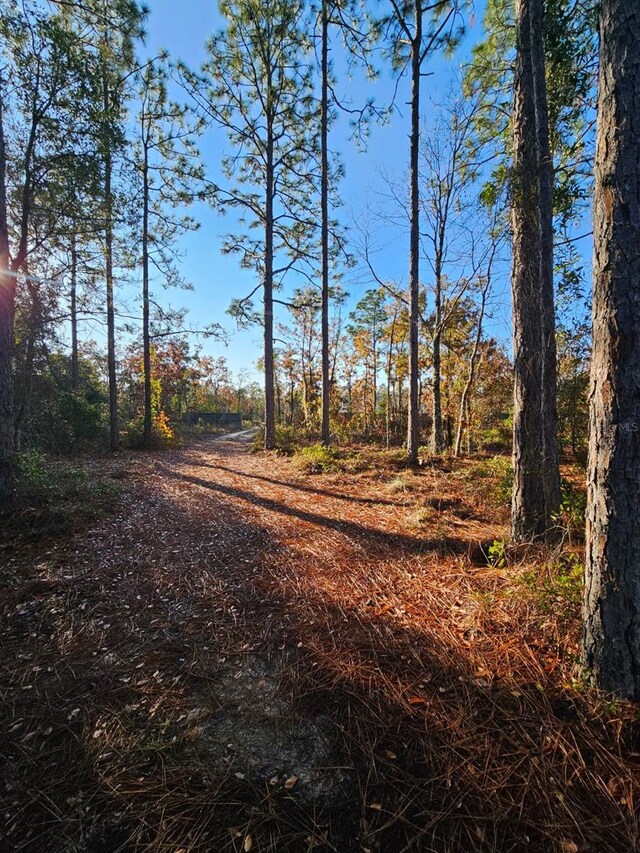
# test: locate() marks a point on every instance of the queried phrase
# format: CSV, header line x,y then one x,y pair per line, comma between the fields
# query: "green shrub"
x,y
317,459
66,422
559,586
33,478
497,554
54,499
162,432
287,440
573,505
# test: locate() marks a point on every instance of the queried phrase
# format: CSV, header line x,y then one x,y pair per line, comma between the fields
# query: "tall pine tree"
x,y
257,85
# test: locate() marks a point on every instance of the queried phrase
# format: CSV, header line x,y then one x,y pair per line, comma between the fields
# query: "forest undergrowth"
x,y
384,600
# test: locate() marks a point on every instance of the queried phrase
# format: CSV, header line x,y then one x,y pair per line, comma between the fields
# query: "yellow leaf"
x,y
248,844
291,781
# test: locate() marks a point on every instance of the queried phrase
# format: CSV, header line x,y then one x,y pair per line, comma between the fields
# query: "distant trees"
x,y
257,85
367,324
97,163
171,175
611,637
415,29
45,98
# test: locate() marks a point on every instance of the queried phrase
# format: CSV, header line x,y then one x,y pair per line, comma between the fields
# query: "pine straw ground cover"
x,y
449,681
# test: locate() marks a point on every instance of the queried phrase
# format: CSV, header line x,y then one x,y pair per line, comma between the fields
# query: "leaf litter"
x,y
159,666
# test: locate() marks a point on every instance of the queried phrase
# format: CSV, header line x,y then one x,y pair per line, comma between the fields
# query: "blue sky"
x,y
182,28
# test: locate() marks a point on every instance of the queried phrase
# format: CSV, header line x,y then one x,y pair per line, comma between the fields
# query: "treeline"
x,y
99,163
96,163
369,375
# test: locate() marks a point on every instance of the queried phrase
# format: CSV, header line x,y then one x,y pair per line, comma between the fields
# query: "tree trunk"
x,y
374,380
471,375
26,386
75,373
611,608
550,456
7,314
269,396
146,338
392,333
325,435
437,432
108,251
413,415
528,508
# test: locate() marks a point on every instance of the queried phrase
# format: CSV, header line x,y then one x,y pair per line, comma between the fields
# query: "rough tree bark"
x,y
611,608
550,457
9,269
533,347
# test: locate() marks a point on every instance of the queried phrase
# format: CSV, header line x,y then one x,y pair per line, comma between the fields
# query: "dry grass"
x,y
451,683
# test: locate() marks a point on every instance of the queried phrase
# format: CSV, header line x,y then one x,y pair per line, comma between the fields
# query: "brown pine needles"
x,y
446,673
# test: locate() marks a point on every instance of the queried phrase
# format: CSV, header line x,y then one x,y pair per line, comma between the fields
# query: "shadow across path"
x,y
410,544
299,487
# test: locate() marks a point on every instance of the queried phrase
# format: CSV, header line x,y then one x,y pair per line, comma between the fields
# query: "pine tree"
x,y
257,85
611,608
544,53
536,489
414,30
110,29
171,175
45,109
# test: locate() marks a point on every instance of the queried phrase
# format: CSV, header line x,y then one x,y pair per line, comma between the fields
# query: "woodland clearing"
x,y
242,656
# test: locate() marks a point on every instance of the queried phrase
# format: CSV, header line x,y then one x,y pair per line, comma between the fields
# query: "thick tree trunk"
x,y
413,414
611,609
550,459
75,373
269,390
529,517
7,314
325,436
